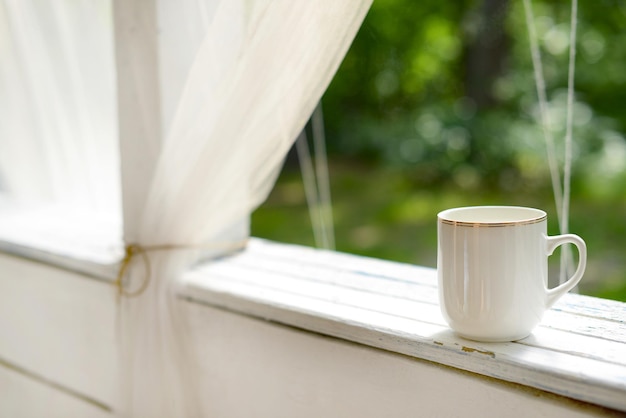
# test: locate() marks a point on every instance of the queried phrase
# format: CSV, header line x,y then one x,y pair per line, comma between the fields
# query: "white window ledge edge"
x,y
577,351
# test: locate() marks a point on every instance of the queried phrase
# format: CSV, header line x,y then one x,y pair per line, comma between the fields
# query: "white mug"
x,y
492,265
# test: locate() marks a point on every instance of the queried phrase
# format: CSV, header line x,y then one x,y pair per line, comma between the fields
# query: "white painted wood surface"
x,y
255,368
578,351
139,103
21,396
59,327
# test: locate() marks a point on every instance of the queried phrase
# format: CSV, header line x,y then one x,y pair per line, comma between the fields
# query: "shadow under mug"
x,y
492,267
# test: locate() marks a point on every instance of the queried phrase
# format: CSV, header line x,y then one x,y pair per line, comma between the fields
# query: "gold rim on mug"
x,y
542,216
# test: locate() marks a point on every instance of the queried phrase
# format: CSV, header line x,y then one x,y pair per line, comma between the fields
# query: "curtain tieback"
x,y
133,250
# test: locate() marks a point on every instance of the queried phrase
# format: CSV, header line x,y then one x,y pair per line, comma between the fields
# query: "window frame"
x,y
574,352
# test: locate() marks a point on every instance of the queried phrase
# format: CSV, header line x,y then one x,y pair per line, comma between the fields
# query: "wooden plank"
x,y
421,287
365,301
282,372
287,286
573,314
59,325
389,317
24,397
343,261
339,295
575,322
570,375
605,309
271,257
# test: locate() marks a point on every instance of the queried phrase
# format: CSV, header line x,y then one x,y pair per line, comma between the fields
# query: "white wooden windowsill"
x,y
579,350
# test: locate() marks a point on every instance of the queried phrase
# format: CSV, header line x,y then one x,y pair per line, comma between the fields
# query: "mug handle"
x,y
553,242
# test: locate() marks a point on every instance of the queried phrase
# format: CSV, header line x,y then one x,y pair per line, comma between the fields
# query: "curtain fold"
x,y
59,157
255,80
204,148
57,105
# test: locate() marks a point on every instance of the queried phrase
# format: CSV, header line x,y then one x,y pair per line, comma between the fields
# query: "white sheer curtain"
x,y
57,104
59,158
255,80
211,96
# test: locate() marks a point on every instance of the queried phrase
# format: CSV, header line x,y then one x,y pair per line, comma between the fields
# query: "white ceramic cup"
x,y
492,264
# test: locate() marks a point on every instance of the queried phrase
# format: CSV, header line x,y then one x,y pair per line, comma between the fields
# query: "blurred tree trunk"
x,y
486,50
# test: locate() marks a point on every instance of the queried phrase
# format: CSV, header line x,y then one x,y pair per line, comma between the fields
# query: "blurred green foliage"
x,y
405,94
435,106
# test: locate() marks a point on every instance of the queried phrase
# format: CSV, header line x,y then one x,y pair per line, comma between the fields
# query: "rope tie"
x,y
133,250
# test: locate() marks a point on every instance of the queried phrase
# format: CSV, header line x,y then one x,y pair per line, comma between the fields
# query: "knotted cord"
x,y
133,250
